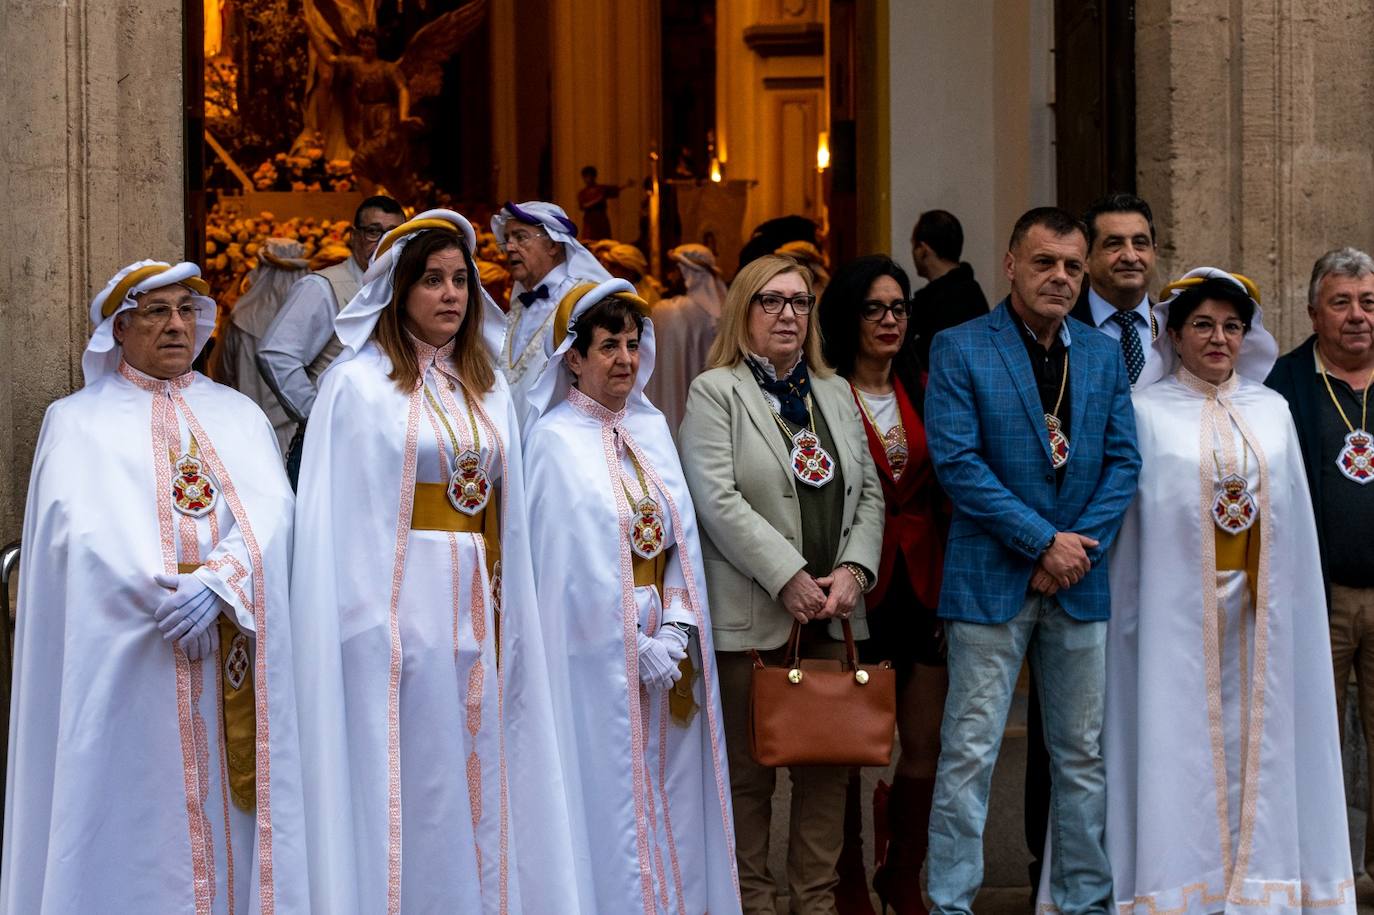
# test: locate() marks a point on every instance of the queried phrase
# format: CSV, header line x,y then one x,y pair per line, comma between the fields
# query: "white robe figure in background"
x,y
684,329
281,262
621,592
1224,785
545,260
153,755
426,718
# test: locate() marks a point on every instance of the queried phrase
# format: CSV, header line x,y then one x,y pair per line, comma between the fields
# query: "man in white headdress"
x,y
684,329
153,746
622,596
545,260
1224,785
281,262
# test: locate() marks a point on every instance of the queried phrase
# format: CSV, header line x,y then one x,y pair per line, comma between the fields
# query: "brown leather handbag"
x,y
822,712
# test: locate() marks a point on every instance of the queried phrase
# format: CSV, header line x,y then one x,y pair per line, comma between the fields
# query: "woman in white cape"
x,y
1223,762
425,707
621,592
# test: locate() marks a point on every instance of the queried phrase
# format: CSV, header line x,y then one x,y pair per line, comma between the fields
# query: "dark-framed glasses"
x,y
772,304
372,231
1205,327
875,311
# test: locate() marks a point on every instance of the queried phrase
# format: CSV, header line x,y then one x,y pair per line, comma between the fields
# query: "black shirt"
x,y
943,303
1347,511
1049,367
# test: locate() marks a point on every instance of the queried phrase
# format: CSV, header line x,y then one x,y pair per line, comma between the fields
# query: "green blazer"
x,y
740,476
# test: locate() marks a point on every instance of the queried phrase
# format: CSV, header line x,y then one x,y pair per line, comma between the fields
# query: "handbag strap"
x,y
793,656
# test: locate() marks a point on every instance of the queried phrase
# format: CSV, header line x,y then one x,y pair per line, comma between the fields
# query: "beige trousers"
x,y
1352,646
816,832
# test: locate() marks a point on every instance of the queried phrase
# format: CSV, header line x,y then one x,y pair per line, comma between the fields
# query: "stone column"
x,y
1251,143
91,126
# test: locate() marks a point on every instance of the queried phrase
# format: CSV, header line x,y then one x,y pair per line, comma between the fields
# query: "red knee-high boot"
x,y
851,893
898,878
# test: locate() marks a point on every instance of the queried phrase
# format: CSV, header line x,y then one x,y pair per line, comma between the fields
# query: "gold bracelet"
x,y
860,576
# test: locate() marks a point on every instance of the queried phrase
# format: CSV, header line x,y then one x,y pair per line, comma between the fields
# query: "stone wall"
x,y
90,122
1252,142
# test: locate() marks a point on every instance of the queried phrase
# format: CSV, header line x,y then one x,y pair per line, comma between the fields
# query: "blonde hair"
x,y
732,340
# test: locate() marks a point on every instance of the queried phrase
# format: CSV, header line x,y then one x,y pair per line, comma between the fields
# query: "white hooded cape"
x,y
117,799
435,781
653,829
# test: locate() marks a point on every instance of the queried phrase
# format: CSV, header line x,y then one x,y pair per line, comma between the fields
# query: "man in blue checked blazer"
x,y
1029,422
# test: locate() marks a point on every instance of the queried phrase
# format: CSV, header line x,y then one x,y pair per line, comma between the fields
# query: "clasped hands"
x,y
1064,564
187,614
809,599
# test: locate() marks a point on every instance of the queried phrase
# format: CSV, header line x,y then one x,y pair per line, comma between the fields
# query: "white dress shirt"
x,y
1103,310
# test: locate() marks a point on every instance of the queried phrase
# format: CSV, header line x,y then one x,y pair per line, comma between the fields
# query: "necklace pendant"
x,y
194,489
1059,442
894,443
1356,459
1234,510
811,464
647,535
469,489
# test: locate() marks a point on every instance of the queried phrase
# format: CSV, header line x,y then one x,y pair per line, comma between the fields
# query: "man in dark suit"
x,y
1030,427
951,295
1326,381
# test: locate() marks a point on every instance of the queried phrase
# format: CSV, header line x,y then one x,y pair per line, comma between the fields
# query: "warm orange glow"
x,y
715,170
823,151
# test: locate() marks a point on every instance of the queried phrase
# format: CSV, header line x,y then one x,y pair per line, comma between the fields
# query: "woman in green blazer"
x,y
791,512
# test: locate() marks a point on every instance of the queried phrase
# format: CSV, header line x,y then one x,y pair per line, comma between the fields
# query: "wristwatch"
x,y
685,628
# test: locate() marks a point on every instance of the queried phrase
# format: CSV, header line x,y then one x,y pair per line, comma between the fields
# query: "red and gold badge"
x,y
1356,460
647,535
1234,509
468,488
1059,442
194,489
811,463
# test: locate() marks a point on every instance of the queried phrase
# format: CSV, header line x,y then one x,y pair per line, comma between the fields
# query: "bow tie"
x,y
534,295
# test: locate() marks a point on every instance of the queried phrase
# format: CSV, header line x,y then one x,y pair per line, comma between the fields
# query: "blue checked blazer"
x,y
986,431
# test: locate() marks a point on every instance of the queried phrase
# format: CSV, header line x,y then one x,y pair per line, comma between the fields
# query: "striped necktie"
x,y
1130,344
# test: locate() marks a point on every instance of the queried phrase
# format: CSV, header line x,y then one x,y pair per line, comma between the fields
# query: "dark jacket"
x,y
1295,377
946,302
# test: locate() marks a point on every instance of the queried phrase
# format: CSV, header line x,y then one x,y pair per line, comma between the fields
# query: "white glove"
x,y
186,613
205,645
659,656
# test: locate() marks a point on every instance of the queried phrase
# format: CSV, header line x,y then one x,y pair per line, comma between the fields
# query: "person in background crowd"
x,y
545,260
300,344
629,263
425,702
792,513
591,200
1326,381
1029,425
154,761
619,571
951,295
770,235
810,257
684,329
1224,788
865,324
235,359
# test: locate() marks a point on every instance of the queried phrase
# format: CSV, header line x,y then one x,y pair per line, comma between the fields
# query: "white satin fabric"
x,y
117,800
1224,783
436,784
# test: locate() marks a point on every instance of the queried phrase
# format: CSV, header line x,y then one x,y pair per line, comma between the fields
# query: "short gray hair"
x,y
1351,262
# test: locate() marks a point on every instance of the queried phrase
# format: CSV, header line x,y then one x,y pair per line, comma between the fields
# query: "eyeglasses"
x,y
772,304
875,311
1205,327
373,231
520,239
159,315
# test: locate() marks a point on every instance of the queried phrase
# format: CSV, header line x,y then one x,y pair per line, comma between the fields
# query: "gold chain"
x,y
194,451
1063,383
639,475
810,419
1364,404
443,418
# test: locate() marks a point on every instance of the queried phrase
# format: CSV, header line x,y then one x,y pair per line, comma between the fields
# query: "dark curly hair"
x,y
841,311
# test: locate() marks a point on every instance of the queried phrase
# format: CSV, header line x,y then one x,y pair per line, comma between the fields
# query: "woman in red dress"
x,y
865,325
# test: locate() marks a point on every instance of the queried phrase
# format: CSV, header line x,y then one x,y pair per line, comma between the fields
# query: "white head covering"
x,y
103,351
1258,351
551,388
281,261
356,321
551,217
701,276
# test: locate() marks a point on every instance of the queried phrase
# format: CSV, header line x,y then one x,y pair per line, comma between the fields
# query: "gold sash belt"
x,y
239,710
432,511
1240,551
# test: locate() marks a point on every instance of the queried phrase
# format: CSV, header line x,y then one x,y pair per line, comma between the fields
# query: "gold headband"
x,y
121,290
415,225
1188,282
563,313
